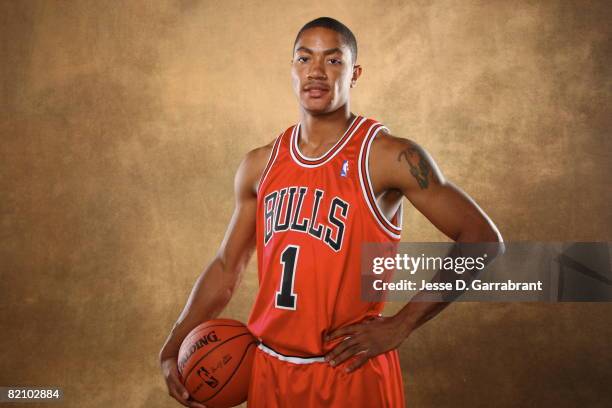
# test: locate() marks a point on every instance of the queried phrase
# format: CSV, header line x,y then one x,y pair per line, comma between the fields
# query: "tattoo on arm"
x,y
418,166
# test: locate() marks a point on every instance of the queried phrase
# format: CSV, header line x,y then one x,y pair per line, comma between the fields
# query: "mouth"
x,y
316,93
316,90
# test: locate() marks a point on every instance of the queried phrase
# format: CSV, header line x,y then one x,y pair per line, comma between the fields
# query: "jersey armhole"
x,y
393,227
271,160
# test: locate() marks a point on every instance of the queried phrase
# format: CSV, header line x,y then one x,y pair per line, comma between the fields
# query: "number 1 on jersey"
x,y
285,297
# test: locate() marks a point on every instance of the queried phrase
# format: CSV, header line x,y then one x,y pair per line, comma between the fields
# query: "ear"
x,y
356,74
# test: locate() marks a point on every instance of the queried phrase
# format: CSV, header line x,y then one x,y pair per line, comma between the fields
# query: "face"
x,y
322,71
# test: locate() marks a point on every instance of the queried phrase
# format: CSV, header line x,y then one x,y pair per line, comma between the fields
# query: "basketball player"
x,y
307,201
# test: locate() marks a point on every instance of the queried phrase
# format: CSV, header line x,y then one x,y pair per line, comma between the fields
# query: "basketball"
x,y
215,361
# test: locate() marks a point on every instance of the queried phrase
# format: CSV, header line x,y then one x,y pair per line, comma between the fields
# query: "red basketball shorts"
x,y
279,381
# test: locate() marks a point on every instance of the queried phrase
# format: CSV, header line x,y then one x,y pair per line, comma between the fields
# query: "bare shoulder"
x,y
393,157
259,156
387,145
252,166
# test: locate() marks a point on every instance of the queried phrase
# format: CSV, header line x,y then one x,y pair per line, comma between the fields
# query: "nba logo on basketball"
x,y
344,171
207,378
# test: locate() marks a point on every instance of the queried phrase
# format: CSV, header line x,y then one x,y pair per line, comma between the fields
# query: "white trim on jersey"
x,y
290,359
365,149
294,143
270,161
400,215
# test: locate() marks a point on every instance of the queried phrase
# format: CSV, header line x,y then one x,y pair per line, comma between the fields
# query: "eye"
x,y
302,59
335,61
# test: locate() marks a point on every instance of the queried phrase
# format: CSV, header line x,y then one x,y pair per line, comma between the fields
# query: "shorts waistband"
x,y
290,359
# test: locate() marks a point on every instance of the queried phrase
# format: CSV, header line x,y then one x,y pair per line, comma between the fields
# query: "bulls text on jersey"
x,y
287,203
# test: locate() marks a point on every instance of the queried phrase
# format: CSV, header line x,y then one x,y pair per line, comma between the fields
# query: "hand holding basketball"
x,y
215,361
175,388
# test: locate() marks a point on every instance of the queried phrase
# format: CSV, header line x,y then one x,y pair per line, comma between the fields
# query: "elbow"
x,y
224,297
485,236
497,249
501,247
232,273
497,246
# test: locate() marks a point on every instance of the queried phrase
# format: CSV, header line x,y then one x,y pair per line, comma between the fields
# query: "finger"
x,y
359,361
345,355
180,388
177,389
348,341
194,404
178,395
342,331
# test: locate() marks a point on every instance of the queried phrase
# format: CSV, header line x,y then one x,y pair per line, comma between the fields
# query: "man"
x,y
306,202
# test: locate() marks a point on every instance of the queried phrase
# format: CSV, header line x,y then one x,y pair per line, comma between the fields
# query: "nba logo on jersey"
x,y
344,171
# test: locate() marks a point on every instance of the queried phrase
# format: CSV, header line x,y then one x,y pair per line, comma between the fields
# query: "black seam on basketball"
x,y
213,325
210,351
213,349
233,372
285,355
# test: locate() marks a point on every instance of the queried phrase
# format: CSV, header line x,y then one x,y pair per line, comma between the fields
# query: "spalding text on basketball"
x,y
210,337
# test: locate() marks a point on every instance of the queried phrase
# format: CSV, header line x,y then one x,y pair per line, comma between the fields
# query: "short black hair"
x,y
332,24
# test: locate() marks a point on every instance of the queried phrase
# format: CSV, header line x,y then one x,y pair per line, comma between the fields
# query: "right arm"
x,y
215,286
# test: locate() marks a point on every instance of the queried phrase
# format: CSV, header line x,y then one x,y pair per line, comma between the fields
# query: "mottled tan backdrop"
x,y
123,123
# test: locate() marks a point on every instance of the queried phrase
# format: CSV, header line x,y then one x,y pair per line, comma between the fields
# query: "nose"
x,y
317,69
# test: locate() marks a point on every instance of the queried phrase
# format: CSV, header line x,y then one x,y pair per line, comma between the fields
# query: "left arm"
x,y
401,166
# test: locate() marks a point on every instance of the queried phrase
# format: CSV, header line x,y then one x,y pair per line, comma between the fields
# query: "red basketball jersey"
x,y
313,215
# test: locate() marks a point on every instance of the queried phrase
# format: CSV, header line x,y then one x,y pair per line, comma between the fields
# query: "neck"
x,y
318,130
